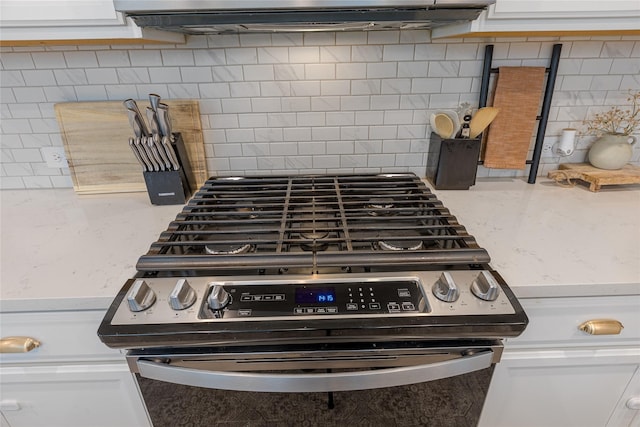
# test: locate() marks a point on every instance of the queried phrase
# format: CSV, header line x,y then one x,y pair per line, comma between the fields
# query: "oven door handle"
x,y
334,381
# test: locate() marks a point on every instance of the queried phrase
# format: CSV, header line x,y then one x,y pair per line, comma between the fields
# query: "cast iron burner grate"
x,y
312,221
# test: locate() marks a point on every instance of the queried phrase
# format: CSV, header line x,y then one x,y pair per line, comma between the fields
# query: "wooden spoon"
x,y
481,120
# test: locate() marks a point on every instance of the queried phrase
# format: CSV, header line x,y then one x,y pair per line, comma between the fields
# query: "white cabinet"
x,y
54,20
70,380
97,395
557,375
549,17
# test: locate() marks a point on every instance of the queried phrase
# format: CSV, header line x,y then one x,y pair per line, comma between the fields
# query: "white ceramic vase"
x,y
611,151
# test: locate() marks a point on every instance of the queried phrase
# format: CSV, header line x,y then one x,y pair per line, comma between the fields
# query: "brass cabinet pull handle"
x,y
601,327
18,344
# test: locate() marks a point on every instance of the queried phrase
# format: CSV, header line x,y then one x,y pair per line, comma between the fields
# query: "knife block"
x,y
452,163
171,187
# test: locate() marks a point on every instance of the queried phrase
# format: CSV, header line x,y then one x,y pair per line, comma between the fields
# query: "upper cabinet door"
x,y
513,9
28,13
51,21
550,17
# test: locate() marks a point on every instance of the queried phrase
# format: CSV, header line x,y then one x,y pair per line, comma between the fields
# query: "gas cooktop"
x,y
311,224
312,259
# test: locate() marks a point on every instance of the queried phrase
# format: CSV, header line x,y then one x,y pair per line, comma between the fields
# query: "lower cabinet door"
x,y
558,388
71,396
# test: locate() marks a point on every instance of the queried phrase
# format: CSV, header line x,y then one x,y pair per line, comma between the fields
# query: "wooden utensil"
x,y
481,120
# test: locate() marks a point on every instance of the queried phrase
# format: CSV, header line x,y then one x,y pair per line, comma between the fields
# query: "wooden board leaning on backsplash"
x,y
96,143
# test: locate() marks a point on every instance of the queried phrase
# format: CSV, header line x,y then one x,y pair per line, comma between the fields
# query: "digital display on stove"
x,y
316,295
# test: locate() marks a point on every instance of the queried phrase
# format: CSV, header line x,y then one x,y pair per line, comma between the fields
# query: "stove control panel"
x,y
316,298
201,299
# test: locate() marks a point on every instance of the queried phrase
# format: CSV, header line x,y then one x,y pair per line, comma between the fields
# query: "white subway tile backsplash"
x,y
319,39
59,93
265,105
258,72
80,59
11,78
45,60
253,120
16,61
137,75
324,133
366,87
431,52
286,39
244,89
458,51
273,55
268,134
596,66
368,146
305,88
300,103
29,94
96,76
17,126
340,118
335,87
325,103
196,74
281,103
111,58
351,71
281,119
443,68
412,69
335,54
629,66
369,117
24,111
37,182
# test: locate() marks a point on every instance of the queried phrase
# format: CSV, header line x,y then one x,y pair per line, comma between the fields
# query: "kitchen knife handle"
x,y
132,145
153,121
165,120
154,153
157,143
154,100
166,142
143,154
133,106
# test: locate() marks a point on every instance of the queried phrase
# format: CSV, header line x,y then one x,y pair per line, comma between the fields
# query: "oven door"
x,y
441,383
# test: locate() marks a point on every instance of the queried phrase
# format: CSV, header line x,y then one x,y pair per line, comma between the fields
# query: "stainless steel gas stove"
x,y
365,273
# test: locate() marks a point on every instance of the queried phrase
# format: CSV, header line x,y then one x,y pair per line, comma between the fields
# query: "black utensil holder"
x,y
452,163
171,187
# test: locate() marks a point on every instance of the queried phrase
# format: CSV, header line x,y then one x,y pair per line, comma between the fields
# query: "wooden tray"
x,y
629,174
96,135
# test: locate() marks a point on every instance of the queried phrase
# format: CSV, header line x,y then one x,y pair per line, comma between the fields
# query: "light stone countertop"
x,y
63,251
551,241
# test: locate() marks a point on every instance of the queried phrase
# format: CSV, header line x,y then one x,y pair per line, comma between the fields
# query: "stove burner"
x,y
394,241
246,207
400,245
227,248
380,206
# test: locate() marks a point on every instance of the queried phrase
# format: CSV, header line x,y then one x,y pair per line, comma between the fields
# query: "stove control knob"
x,y
218,298
445,288
485,287
140,296
183,295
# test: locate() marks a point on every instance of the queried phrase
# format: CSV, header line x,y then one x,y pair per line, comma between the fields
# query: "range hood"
x,y
266,16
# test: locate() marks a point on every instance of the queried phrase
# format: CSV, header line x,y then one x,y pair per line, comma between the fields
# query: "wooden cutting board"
x,y
96,143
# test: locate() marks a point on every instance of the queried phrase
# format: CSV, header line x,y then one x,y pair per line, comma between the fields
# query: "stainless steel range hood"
x,y
233,16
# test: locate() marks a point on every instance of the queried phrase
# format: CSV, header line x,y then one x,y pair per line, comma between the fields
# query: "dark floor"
x,y
454,402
